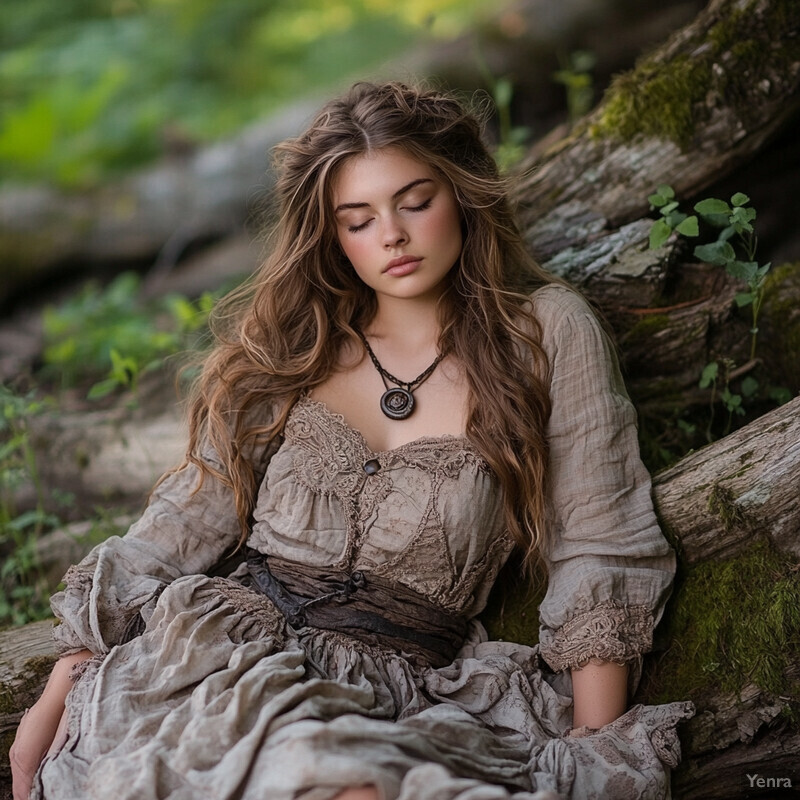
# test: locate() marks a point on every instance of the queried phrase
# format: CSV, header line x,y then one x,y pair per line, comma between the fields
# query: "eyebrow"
x,y
398,193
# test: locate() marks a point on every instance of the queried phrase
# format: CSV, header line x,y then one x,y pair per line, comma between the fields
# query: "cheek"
x,y
447,225
355,251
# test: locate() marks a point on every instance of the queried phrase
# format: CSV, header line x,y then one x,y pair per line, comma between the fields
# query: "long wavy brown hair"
x,y
282,333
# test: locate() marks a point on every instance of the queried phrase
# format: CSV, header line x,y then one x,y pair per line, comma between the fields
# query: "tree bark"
x,y
709,100
715,501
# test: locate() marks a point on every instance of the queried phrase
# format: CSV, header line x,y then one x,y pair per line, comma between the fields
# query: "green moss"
x,y
722,504
731,623
14,698
512,614
654,100
744,51
645,328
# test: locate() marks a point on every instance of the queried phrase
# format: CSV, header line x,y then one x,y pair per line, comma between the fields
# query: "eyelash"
x,y
422,207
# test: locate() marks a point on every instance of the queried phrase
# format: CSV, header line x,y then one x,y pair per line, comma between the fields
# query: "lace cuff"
x,y
608,632
85,626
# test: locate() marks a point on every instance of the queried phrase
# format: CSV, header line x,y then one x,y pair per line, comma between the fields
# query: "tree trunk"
x,y
715,501
707,101
26,657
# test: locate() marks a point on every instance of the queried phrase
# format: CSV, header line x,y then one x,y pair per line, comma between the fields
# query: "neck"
x,y
406,323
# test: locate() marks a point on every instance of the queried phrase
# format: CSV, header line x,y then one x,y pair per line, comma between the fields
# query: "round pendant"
x,y
397,403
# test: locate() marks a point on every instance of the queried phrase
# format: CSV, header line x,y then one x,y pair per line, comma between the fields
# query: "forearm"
x,y
40,723
59,683
600,693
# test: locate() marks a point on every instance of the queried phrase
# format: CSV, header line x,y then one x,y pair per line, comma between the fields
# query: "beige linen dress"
x,y
201,689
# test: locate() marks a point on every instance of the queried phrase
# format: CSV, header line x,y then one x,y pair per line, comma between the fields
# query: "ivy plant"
x,y
734,248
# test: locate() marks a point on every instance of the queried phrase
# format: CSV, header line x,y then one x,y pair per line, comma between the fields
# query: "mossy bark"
x,y
27,655
688,114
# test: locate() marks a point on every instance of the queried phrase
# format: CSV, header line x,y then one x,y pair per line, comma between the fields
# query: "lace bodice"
x,y
426,514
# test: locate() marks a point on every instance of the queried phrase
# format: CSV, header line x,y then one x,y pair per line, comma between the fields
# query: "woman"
x,y
390,415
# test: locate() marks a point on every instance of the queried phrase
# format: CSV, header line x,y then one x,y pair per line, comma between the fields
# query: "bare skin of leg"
x,y
360,793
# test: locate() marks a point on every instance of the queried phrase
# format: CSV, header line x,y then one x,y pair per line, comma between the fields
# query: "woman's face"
x,y
398,223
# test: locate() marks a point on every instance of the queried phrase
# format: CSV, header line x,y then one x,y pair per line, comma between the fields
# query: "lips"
x,y
402,265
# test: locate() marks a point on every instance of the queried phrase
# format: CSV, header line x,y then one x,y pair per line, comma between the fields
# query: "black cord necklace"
x,y
397,402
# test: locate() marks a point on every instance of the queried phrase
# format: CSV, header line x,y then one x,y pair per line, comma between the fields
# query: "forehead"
x,y
373,174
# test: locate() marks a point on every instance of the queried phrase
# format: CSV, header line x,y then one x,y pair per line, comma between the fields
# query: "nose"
x,y
394,233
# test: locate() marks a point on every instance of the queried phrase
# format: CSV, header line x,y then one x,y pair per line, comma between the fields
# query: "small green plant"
x,y
576,76
734,247
23,597
511,138
720,373
511,146
113,335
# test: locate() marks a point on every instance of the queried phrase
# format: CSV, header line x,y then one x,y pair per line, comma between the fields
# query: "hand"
x,y
36,734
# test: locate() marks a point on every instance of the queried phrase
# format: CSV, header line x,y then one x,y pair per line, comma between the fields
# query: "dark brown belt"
x,y
361,605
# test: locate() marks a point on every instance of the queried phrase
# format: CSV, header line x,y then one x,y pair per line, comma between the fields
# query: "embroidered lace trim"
x,y
608,632
330,447
447,453
79,577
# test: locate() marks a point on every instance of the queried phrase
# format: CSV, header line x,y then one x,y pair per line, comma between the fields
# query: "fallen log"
x,y
708,101
174,206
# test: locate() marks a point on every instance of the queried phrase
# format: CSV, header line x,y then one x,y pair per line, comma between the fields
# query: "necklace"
x,y
397,402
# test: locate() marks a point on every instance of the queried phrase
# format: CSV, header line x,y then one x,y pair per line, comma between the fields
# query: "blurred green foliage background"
x,y
93,87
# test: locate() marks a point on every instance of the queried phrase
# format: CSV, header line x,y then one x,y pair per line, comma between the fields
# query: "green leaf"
x,y
659,234
749,386
688,227
744,299
719,253
674,218
669,208
709,375
732,402
780,395
103,389
739,199
740,220
657,200
744,270
665,190
712,206
502,92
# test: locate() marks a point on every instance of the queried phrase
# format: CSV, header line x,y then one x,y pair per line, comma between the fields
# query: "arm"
x,y
609,567
600,693
39,725
189,525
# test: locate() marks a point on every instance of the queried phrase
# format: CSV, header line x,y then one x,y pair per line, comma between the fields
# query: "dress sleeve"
x,y
189,525
610,568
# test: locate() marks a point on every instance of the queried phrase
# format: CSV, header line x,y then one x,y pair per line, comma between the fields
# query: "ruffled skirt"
x,y
220,698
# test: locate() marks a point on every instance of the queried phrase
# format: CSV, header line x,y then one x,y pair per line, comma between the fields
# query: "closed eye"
x,y
426,204
357,228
